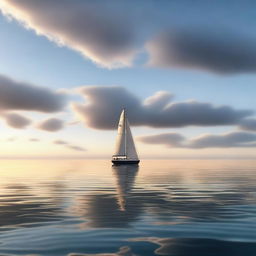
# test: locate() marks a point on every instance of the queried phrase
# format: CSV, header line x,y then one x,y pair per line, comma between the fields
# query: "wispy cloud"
x,y
34,140
170,139
11,139
77,148
69,145
225,140
60,142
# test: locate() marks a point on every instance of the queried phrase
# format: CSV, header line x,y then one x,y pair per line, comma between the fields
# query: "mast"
x,y
125,138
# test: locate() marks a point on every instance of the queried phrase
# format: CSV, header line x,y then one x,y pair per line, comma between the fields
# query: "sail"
x,y
120,141
125,144
131,152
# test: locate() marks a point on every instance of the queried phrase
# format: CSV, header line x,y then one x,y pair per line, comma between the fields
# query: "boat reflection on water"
x,y
112,210
125,177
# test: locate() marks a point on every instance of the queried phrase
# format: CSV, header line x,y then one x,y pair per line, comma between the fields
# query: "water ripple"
x,y
163,207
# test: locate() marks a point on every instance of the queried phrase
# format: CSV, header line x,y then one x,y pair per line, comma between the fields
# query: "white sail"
x,y
125,144
120,141
131,152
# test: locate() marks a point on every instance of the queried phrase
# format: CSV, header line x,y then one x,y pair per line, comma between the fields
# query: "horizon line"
x,y
234,157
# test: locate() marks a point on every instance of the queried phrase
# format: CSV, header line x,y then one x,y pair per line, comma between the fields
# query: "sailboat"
x,y
125,152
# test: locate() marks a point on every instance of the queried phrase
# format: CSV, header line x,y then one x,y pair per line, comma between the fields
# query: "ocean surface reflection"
x,y
162,207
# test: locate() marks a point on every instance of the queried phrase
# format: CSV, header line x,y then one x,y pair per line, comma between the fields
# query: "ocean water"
x,y
162,207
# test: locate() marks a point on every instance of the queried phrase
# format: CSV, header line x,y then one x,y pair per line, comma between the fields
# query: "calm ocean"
x,y
162,207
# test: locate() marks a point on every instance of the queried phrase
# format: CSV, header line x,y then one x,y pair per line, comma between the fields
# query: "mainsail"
x,y
125,145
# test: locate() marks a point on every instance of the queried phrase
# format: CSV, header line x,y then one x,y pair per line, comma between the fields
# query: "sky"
x,y
185,72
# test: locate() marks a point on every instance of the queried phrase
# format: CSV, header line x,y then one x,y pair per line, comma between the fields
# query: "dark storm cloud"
x,y
51,125
112,33
23,96
226,140
16,120
218,51
104,104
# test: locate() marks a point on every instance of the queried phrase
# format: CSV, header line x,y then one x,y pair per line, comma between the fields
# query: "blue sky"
x,y
32,58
